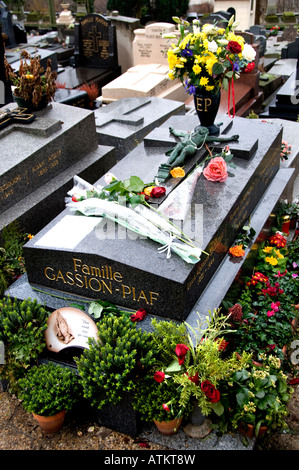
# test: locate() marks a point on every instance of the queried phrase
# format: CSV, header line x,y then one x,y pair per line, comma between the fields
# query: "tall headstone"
x,y
96,42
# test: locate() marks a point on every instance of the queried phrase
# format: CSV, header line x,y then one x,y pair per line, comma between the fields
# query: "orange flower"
x,y
237,251
177,172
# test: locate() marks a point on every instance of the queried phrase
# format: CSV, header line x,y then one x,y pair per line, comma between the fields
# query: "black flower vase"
x,y
207,105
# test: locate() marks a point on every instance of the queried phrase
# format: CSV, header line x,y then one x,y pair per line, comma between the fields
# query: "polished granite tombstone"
x,y
124,123
85,256
285,105
39,159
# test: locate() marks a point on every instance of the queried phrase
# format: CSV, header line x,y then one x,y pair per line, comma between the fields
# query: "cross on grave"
x,y
16,115
95,44
126,117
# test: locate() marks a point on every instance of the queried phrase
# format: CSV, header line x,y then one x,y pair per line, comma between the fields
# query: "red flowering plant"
x,y
196,365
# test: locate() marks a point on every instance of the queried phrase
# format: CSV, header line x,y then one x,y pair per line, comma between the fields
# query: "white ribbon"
x,y
167,246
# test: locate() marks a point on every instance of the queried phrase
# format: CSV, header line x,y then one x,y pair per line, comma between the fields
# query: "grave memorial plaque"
x,y
90,257
97,38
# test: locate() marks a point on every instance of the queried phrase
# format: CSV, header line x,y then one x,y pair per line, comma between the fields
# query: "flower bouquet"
x,y
124,202
34,86
208,58
205,60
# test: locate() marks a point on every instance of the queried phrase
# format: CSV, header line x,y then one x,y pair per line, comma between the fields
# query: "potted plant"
x,y
34,87
255,398
157,399
48,391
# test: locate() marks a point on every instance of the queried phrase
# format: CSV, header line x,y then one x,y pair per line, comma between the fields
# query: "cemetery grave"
x,y
74,258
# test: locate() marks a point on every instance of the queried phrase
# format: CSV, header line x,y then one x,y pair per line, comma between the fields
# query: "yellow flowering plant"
x,y
272,259
208,57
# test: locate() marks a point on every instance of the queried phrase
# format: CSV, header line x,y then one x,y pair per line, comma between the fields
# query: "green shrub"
x,y
48,389
22,327
114,362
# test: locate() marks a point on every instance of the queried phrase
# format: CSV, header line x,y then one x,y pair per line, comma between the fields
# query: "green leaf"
x,y
95,309
174,366
225,84
218,408
217,69
134,184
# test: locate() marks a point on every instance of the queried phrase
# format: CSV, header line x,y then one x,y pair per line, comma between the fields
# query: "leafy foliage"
x,y
22,327
48,389
11,255
111,365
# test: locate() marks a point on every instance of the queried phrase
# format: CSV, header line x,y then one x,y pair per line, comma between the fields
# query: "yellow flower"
x,y
210,88
196,69
171,76
172,59
209,65
278,254
204,81
271,260
268,249
148,190
177,172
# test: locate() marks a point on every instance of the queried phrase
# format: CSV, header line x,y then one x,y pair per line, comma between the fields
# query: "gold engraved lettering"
x,y
202,104
99,279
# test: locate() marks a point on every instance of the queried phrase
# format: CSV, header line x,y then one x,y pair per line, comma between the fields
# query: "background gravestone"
x,y
96,42
7,26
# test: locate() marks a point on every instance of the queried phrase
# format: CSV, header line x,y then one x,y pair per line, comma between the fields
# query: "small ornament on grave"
x,y
207,59
190,143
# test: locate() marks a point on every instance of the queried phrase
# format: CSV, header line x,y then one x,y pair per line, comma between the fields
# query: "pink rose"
x,y
216,170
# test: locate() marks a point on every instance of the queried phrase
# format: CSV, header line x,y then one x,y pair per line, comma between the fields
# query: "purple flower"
x,y
295,265
294,275
189,88
187,52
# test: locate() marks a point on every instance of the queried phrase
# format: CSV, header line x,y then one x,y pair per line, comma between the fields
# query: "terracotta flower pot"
x,y
51,424
168,427
249,431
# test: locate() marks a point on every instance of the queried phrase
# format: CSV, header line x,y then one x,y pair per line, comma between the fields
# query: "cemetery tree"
x,y
164,10
131,8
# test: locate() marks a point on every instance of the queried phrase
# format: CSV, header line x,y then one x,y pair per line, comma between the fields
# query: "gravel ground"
x,y
20,431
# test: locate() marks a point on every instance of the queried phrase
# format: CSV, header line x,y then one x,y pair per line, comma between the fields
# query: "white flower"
x,y
109,177
210,29
212,46
222,42
248,53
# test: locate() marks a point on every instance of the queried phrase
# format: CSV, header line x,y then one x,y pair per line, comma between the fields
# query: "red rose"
x,y
234,46
216,170
181,351
210,391
194,378
159,376
139,315
249,67
158,191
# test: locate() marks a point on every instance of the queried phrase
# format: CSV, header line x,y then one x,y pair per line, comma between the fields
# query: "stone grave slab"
x,y
13,57
285,105
144,80
123,124
37,209
88,259
57,138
